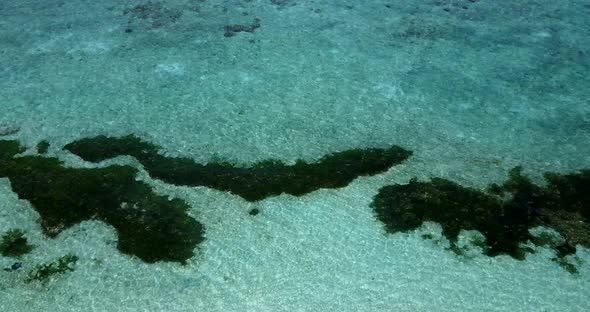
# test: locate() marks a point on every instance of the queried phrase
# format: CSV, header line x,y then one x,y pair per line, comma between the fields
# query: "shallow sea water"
x,y
472,87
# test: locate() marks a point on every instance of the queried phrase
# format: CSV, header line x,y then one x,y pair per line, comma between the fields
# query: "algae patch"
x,y
43,273
43,147
14,244
149,226
264,179
504,214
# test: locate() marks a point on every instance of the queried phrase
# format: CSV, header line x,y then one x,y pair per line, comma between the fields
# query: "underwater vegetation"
x,y
44,272
14,244
149,226
262,180
155,228
9,148
504,214
43,147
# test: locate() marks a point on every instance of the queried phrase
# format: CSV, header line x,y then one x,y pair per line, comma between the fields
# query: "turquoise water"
x,y
472,88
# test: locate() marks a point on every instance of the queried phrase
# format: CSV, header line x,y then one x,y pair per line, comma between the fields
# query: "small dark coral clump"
x,y
149,226
231,30
503,215
14,244
267,178
43,147
9,149
43,273
283,3
155,14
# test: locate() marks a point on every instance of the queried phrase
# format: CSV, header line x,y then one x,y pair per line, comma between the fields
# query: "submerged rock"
x,y
14,267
